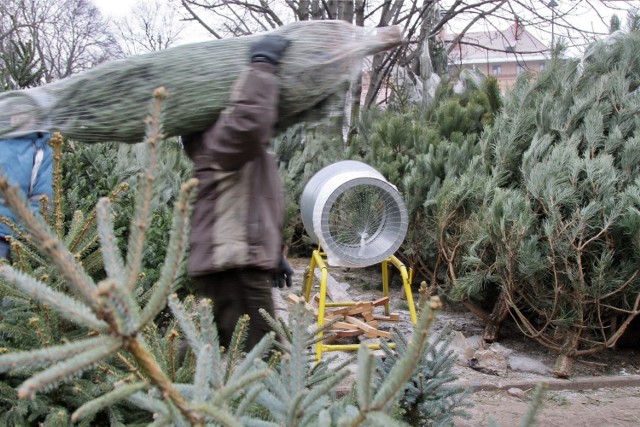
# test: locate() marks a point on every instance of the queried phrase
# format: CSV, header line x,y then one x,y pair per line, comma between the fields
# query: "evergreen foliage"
x,y
555,234
419,150
429,399
103,360
19,66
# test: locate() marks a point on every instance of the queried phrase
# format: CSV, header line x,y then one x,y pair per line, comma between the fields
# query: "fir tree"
x,y
20,67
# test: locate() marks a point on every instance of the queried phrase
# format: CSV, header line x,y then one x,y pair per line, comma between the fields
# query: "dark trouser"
x,y
235,293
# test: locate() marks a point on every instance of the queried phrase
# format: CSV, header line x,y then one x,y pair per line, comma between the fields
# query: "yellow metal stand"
x,y
317,261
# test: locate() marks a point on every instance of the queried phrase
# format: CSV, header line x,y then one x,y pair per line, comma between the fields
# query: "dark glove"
x,y
284,274
269,49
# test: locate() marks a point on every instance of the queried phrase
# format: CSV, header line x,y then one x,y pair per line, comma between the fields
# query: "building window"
x,y
542,64
497,70
519,69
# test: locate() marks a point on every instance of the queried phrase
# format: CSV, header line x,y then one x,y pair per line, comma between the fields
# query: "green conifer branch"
x,y
158,378
94,406
113,264
44,208
208,330
38,358
92,262
320,389
178,242
365,371
202,376
234,352
67,369
76,278
249,360
382,419
144,194
209,334
58,213
123,312
81,236
537,402
404,368
74,227
65,305
219,415
186,324
248,399
232,387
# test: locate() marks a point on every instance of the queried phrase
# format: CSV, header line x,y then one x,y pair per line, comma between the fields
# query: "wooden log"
x,y
345,333
377,333
345,325
393,317
381,301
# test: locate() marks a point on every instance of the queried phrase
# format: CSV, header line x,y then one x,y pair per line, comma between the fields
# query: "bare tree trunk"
x,y
345,10
496,319
356,86
316,10
303,10
564,362
332,9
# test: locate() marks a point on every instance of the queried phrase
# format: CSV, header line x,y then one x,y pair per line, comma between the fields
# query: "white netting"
x,y
109,102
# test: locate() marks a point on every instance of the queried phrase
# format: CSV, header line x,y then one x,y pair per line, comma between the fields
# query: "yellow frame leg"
x,y
317,261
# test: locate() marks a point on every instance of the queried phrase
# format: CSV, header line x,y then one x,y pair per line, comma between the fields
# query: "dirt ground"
x,y
604,389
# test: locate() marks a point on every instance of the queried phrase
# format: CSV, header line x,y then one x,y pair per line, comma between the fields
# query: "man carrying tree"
x,y
236,235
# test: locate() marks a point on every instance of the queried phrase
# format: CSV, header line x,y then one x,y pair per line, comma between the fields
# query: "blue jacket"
x,y
18,161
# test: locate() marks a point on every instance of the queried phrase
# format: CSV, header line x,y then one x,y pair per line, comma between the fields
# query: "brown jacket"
x,y
237,217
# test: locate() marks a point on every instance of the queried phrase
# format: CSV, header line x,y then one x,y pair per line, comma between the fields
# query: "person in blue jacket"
x,y
26,161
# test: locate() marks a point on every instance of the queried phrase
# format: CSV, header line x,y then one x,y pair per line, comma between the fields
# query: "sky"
x,y
590,20
114,8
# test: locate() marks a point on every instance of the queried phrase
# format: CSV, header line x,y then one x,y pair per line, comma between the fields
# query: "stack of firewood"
x,y
357,319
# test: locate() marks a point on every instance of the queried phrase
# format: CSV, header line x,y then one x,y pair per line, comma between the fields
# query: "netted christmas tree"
x,y
557,234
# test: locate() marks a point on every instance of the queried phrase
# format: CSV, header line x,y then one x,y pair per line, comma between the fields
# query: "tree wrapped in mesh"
x,y
109,101
559,234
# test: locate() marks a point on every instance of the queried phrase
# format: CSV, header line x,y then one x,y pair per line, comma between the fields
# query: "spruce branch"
x,y
248,399
243,381
113,264
249,360
365,371
75,365
186,324
202,377
119,307
58,214
76,278
537,401
68,307
208,331
94,406
402,371
219,415
178,242
209,335
159,379
46,356
234,352
142,208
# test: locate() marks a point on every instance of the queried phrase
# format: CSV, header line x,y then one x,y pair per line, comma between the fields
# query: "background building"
x,y
502,54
